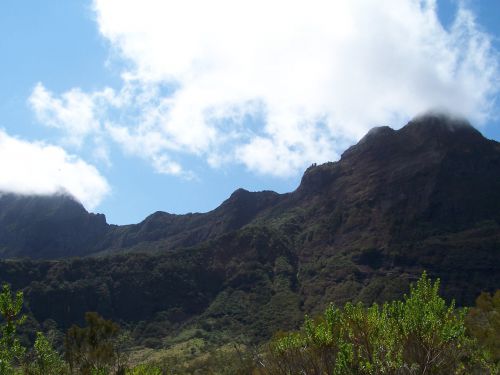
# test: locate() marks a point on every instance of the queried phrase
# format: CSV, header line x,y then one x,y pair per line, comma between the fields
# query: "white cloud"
x,y
277,85
148,144
77,114
38,168
73,112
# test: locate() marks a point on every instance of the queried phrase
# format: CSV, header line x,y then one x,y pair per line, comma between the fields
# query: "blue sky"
x,y
135,106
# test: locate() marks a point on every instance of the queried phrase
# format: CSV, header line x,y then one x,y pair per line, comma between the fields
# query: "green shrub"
x,y
11,351
146,369
483,322
45,360
94,349
421,334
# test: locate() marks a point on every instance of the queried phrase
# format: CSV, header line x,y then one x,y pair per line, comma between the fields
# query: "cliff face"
x,y
425,197
435,175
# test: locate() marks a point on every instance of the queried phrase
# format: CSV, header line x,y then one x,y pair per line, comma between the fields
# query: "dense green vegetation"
x,y
10,348
94,348
245,285
204,293
420,334
483,322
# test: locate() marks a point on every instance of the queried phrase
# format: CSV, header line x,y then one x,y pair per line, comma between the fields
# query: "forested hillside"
x,y
425,197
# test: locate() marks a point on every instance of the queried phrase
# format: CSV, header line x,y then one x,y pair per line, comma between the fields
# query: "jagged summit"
x,y
424,197
440,132
434,168
441,120
377,132
243,196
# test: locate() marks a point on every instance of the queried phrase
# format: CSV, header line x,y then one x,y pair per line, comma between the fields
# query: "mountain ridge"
x,y
425,148
359,229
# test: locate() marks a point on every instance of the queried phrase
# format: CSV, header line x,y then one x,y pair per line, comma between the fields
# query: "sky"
x,y
138,106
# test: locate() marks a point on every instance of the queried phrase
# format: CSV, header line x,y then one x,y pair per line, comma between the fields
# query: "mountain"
x,y
162,231
425,197
436,172
47,227
51,227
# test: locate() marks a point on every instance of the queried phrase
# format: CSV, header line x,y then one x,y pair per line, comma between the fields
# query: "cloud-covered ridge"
x,y
276,85
37,168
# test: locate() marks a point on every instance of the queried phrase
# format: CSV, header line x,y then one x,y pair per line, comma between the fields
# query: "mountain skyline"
x,y
425,197
66,195
444,157
133,108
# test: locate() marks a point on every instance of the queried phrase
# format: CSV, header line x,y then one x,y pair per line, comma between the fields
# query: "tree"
x,y
11,351
94,348
45,359
483,322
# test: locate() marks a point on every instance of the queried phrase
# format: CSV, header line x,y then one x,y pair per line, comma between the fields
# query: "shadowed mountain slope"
x,y
436,172
47,227
425,197
51,227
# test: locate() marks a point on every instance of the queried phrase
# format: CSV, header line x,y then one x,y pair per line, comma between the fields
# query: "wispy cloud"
x,y
39,168
77,114
73,112
273,85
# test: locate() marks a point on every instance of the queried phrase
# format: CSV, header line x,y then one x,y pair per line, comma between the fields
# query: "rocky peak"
x,y
421,146
438,130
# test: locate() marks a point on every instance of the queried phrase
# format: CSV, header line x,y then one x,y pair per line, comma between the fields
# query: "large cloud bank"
x,y
37,168
273,85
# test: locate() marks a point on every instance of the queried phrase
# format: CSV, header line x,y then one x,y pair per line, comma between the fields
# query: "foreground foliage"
x,y
11,350
44,360
419,335
483,322
94,349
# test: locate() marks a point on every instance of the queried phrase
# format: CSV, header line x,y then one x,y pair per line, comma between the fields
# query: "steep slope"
x,y
163,231
434,172
51,227
434,175
425,197
47,227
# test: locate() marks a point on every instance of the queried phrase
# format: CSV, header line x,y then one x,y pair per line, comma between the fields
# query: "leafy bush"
x,y
45,360
94,348
419,335
146,369
483,322
11,351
